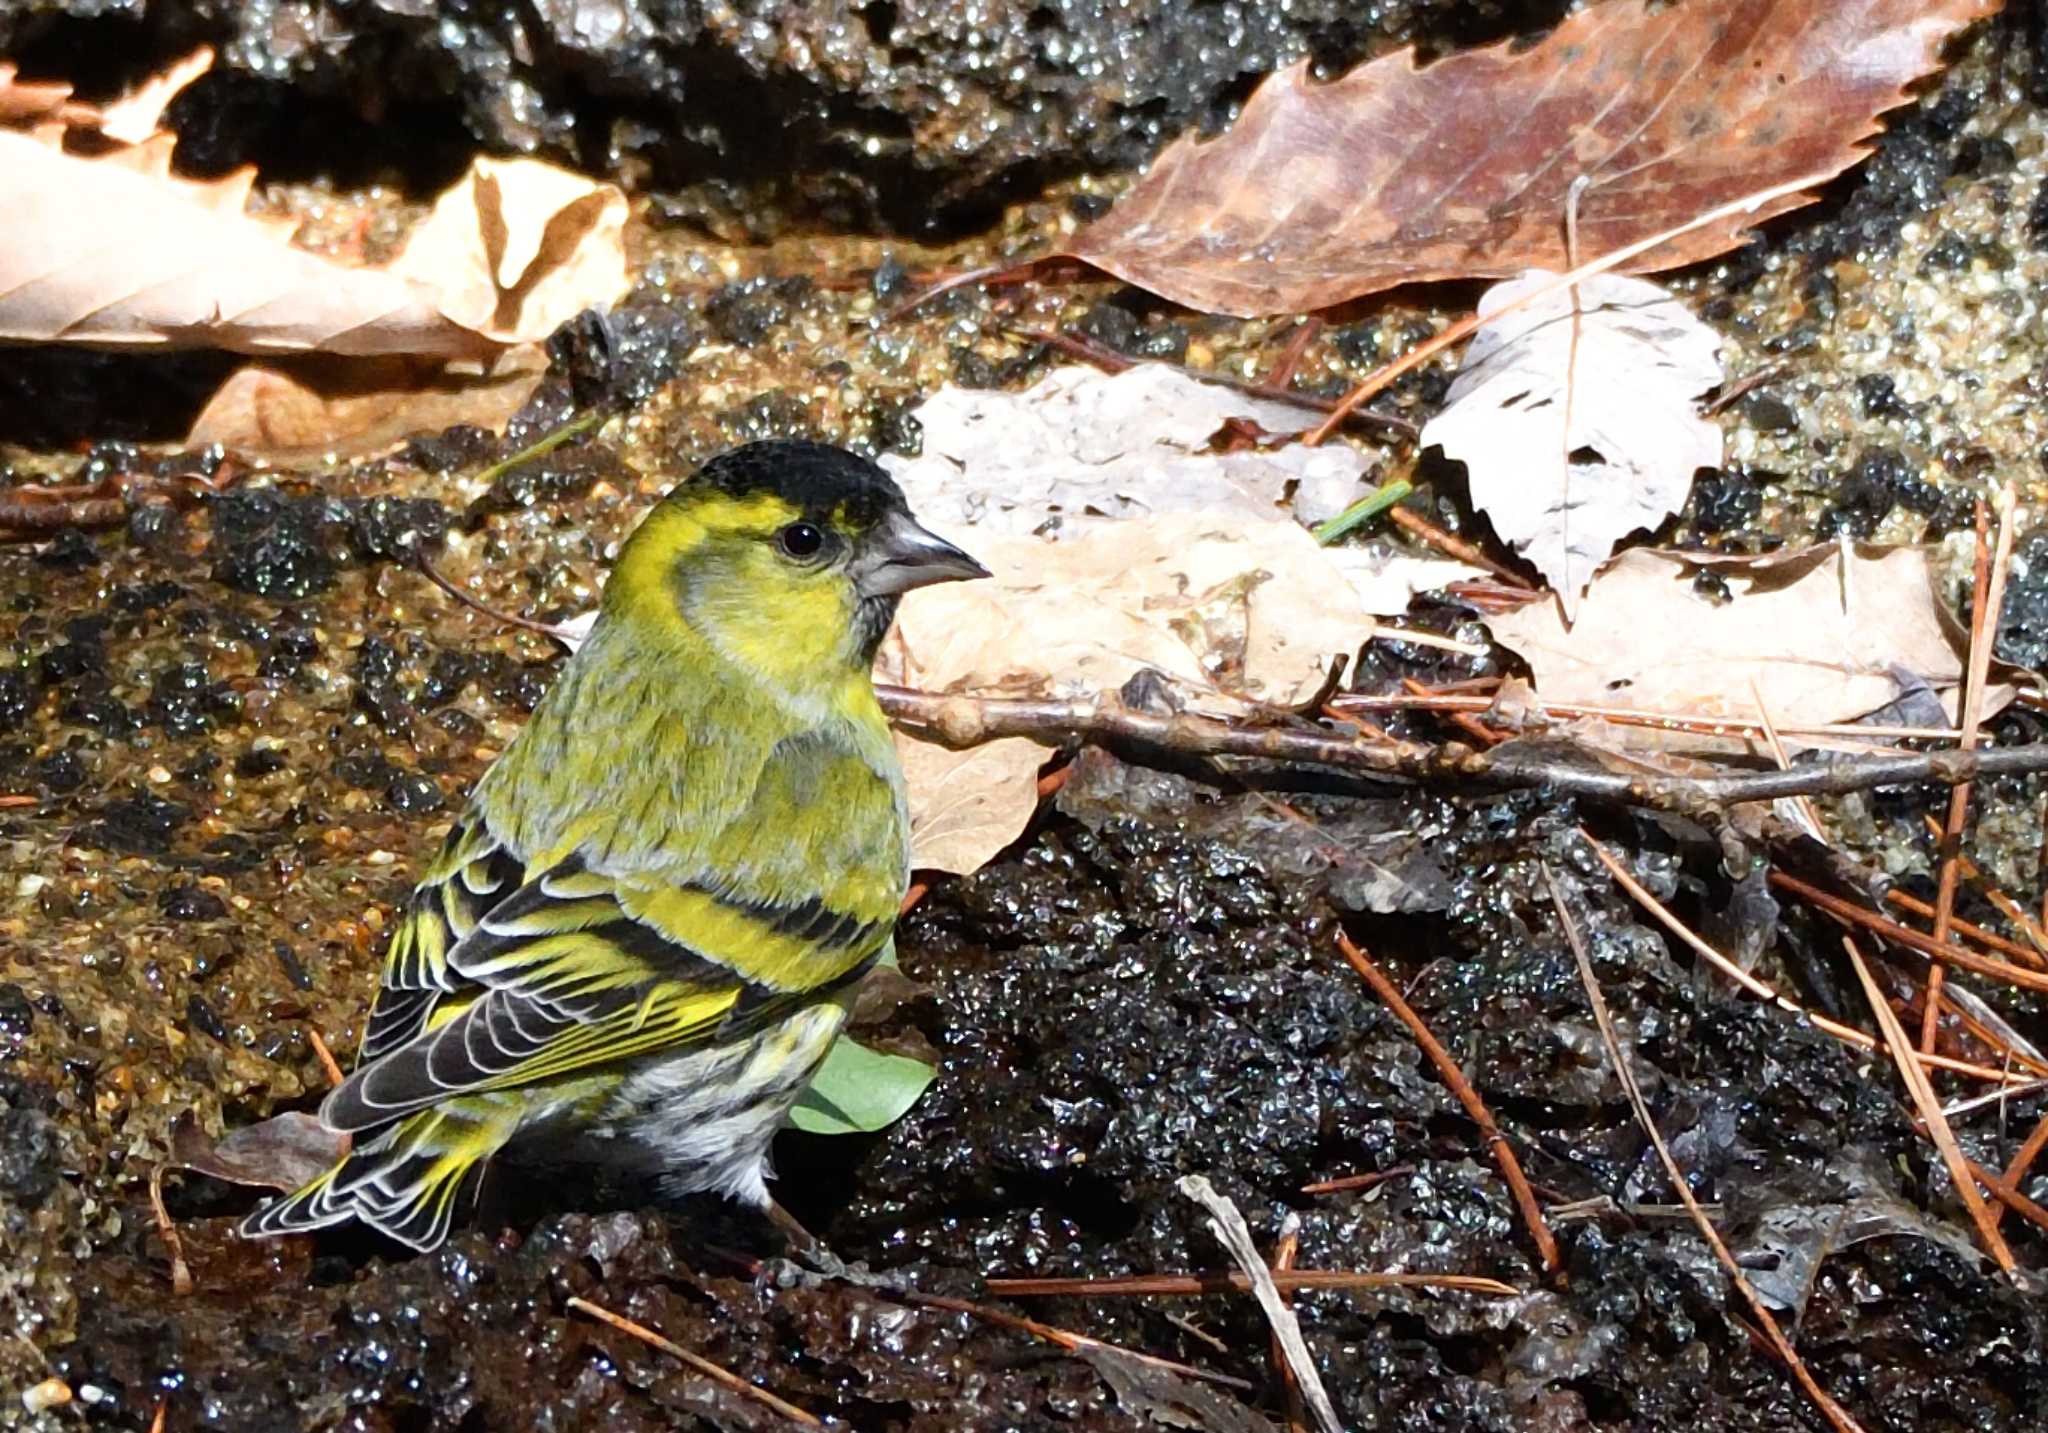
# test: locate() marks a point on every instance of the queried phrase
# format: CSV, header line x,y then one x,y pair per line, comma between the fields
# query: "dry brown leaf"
x,y
967,805
1390,175
517,247
320,405
1226,607
1575,417
139,114
32,101
98,253
116,252
1817,641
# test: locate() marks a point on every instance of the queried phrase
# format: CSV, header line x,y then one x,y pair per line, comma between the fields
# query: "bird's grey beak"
x,y
901,555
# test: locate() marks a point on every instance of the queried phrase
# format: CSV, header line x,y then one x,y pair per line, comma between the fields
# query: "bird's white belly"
x,y
703,1120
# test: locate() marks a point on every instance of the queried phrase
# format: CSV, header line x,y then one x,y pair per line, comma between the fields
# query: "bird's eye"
x,y
801,539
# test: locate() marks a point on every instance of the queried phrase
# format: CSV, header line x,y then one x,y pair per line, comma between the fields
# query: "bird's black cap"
x,y
815,478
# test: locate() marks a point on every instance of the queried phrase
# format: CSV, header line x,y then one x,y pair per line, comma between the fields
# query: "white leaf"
x,y
1577,430
1081,448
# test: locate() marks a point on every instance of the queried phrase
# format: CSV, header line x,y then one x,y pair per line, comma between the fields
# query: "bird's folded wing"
x,y
579,968
471,875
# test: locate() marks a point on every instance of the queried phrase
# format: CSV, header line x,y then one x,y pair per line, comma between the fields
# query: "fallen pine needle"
x,y
1848,1034
1987,599
1230,1282
1285,1250
2023,1160
1063,1338
1357,1181
701,1364
2008,1197
1227,1224
1852,914
1929,1106
1447,1069
327,1061
1836,1415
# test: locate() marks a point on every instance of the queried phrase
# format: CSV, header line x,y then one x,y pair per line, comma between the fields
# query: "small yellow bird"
x,y
638,942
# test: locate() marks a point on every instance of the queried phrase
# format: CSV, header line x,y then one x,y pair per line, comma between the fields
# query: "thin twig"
x,y
1305,333
1929,1106
1456,547
1444,699
961,721
2036,950
1836,1415
698,1362
1447,1069
1913,905
1357,1181
2007,1196
181,1272
1232,1282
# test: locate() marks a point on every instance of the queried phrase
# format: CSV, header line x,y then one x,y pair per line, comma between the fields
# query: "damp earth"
x,y
236,718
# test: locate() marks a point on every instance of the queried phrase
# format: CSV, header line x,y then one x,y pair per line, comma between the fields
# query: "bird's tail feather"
x,y
406,1181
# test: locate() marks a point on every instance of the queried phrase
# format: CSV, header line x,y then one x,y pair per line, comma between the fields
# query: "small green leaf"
x,y
858,1090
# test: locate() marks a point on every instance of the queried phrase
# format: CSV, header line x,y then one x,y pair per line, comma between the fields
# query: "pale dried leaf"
x,y
967,805
1081,448
139,114
1575,418
97,253
1324,191
1819,642
1223,606
24,102
517,247
320,405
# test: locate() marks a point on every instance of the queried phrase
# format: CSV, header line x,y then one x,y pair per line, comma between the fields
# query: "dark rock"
x,y
17,697
30,1157
452,448
1724,500
69,551
63,771
142,825
912,117
1883,479
190,903
412,794
17,1016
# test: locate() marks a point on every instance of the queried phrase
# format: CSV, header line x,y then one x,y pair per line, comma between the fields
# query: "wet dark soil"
x,y
233,725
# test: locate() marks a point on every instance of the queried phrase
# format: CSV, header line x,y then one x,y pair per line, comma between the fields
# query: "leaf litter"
x,y
1392,174
1576,420
1821,635
110,248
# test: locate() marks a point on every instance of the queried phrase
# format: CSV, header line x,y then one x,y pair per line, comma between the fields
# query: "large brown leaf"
x,y
1390,175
